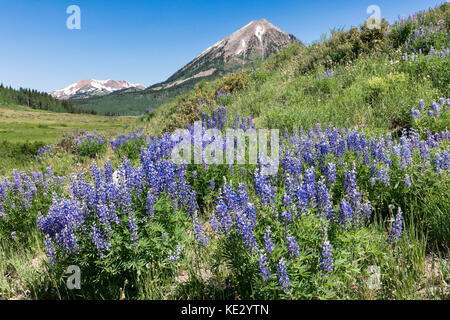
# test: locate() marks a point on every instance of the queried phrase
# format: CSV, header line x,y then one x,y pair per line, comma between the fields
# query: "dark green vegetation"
x,y
369,82
37,100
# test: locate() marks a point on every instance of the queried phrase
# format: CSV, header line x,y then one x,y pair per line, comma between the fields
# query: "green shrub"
x,y
90,145
129,145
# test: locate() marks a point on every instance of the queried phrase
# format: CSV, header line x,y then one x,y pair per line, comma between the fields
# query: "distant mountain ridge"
x,y
93,88
255,41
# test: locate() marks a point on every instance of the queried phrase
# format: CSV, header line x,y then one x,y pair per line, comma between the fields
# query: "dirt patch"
x,y
434,282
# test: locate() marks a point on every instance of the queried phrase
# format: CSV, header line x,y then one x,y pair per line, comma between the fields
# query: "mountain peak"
x,y
257,40
91,88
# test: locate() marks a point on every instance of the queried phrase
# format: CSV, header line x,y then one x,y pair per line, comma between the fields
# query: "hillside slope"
x,y
366,78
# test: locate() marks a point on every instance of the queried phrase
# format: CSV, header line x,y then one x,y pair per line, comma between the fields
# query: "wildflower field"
x,y
358,207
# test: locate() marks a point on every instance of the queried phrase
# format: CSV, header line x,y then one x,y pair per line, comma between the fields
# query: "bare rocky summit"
x,y
256,41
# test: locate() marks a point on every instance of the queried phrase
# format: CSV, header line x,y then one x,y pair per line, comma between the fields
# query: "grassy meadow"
x,y
24,130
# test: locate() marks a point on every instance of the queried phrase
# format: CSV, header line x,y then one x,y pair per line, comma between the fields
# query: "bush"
x,y
432,118
129,145
233,82
22,200
90,145
122,225
20,151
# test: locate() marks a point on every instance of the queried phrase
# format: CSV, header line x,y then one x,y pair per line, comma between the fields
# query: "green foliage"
x,y
20,152
119,269
89,145
18,225
429,69
430,123
131,149
36,100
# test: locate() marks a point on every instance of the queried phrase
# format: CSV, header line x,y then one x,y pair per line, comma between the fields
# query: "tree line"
x,y
38,100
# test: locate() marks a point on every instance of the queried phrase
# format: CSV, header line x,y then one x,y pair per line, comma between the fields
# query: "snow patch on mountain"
x,y
92,87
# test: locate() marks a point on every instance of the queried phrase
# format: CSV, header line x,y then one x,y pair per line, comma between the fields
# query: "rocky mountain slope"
x,y
256,41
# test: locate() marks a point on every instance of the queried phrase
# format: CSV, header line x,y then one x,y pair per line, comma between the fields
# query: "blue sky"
x,y
147,41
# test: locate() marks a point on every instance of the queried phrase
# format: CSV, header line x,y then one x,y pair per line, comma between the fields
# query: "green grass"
x,y
21,124
23,130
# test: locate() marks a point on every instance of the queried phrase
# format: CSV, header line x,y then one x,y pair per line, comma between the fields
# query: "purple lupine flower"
x,y
436,109
366,210
215,223
286,217
308,189
421,105
415,113
64,218
287,200
331,173
444,162
424,151
263,268
133,229
292,245
350,180
283,278
323,201
245,230
265,190
199,233
345,212
242,194
250,213
268,244
88,139
407,180
150,204
135,139
50,252
397,227
99,240
406,152
222,212
383,176
326,263
441,161
176,255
